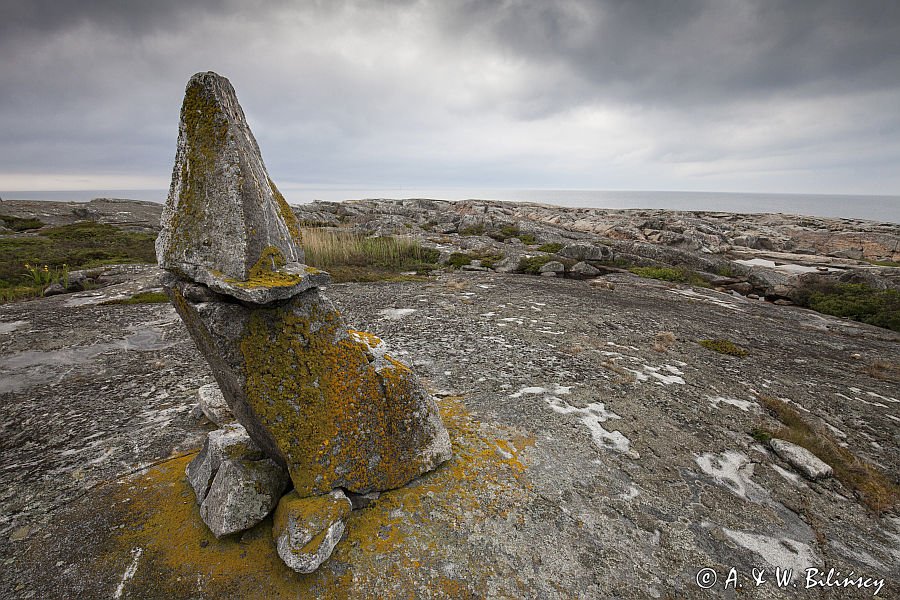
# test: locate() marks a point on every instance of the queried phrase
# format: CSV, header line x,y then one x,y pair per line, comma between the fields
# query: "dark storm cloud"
x,y
693,52
568,93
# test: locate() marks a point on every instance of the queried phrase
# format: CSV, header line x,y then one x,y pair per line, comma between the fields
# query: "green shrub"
x,y
459,259
20,224
527,238
858,302
674,274
551,248
723,346
532,265
472,230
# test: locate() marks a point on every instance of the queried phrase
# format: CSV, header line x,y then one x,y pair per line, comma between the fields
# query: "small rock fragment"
x,y
242,493
554,266
583,269
213,405
306,530
801,459
235,484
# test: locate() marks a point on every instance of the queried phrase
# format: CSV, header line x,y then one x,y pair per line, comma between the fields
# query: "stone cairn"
x,y
320,409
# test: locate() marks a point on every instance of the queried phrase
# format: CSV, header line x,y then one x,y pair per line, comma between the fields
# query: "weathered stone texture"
x,y
306,530
329,404
225,224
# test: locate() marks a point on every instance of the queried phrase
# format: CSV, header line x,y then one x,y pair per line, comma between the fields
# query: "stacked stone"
x,y
320,406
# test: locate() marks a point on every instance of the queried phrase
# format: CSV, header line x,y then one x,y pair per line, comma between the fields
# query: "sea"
x,y
873,208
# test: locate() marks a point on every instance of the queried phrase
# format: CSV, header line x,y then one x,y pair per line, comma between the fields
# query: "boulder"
x,y
213,405
554,266
306,530
586,251
801,459
583,269
225,224
235,485
329,404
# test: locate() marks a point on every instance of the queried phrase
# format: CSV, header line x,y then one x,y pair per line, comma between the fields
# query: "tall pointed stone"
x,y
328,404
225,224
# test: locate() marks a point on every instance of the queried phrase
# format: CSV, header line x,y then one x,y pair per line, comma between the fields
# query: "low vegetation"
x,y
884,370
872,487
460,259
350,256
673,274
20,224
551,248
532,264
856,301
141,298
663,341
723,346
28,264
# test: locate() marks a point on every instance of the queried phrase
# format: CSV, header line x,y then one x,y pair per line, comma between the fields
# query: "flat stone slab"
x,y
810,465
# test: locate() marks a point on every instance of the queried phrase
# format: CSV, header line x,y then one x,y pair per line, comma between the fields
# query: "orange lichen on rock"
x,y
394,548
338,417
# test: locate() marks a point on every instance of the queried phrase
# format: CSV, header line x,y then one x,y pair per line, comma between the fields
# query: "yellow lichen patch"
x,y
265,273
314,513
397,548
290,219
369,339
338,422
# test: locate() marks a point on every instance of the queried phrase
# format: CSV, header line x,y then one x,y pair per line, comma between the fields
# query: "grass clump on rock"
x,y
141,298
550,248
350,256
532,264
673,274
872,487
20,224
723,346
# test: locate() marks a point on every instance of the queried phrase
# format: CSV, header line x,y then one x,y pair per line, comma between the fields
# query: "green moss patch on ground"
x,y
723,346
673,274
858,302
77,246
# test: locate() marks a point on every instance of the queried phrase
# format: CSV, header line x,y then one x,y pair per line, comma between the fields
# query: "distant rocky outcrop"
x,y
324,404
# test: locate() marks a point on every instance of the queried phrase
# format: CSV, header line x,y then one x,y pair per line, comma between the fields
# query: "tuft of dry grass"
x,y
624,375
884,370
350,256
663,341
873,488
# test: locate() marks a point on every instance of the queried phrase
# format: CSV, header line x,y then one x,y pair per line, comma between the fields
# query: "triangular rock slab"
x,y
329,404
225,224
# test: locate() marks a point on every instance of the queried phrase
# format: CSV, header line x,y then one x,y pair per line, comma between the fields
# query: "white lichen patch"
x,y
730,469
783,553
591,416
717,298
664,375
395,314
790,476
744,405
10,326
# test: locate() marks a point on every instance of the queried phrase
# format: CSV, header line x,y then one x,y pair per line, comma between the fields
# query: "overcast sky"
x,y
717,95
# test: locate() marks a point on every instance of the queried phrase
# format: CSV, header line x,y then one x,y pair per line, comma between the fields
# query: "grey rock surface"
x,y
586,251
584,269
554,266
242,493
234,483
225,224
306,530
810,465
213,405
300,382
